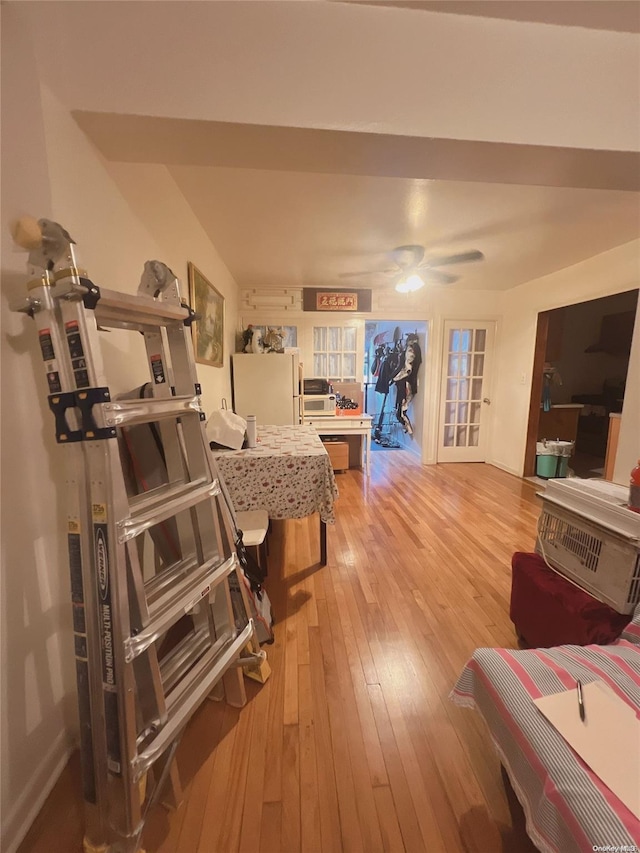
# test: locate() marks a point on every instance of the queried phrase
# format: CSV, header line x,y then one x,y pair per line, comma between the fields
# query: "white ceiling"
x,y
291,207
309,142
614,15
287,229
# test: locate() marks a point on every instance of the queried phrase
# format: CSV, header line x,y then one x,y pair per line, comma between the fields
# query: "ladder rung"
x,y
192,690
150,508
116,308
176,663
168,578
129,412
173,668
177,602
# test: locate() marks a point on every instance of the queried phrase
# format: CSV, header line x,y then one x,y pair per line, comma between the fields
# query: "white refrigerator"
x,y
267,385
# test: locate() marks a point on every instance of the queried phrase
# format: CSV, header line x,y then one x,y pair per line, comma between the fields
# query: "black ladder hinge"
x,y
91,298
85,401
59,405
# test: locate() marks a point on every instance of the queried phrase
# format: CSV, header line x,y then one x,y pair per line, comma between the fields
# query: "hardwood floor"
x,y
353,744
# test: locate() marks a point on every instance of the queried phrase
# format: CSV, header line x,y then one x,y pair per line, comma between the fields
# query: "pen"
x,y
580,699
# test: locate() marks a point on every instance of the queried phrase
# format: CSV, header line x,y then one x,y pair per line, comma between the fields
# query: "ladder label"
x,y
106,621
53,378
46,345
76,352
75,572
79,620
157,368
198,599
113,732
109,686
48,354
80,645
82,664
86,736
99,513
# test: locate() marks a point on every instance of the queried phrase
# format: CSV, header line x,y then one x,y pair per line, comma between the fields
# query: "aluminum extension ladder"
x,y
153,635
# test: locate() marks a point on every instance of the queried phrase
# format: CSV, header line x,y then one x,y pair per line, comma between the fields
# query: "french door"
x,y
464,391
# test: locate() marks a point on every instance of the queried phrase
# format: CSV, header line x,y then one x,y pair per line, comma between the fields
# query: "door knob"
x,y
486,400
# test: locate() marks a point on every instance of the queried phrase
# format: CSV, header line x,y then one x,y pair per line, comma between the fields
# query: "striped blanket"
x,y
568,809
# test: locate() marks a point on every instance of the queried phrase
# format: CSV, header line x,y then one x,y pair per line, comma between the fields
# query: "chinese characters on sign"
x,y
337,301
325,299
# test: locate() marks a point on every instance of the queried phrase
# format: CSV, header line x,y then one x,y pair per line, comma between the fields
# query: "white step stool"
x,y
254,525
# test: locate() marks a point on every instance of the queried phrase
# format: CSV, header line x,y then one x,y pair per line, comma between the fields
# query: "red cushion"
x,y
548,610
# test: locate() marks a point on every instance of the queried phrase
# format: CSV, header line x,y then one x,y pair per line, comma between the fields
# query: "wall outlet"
x,y
523,378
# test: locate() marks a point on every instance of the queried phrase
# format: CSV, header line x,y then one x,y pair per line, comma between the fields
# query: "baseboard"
x,y
507,468
413,449
17,822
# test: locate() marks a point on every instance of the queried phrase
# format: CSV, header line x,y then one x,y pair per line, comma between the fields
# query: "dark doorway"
x,y
580,370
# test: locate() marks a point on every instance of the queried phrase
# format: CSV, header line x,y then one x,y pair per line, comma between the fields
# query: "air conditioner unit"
x,y
587,533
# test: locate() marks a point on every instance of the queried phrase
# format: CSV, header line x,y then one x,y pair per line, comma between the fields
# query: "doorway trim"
x,y
539,352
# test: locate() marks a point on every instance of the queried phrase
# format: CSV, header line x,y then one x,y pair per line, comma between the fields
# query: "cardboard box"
x,y
338,454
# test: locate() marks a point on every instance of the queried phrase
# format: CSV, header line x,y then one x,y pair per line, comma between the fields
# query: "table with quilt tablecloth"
x,y
288,474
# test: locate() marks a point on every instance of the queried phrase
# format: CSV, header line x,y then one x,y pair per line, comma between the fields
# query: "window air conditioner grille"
x,y
634,588
555,531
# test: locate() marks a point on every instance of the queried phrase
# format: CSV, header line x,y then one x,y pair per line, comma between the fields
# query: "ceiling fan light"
x,y
409,284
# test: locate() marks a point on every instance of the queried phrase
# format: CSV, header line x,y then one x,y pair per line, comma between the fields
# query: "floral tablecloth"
x,y
288,474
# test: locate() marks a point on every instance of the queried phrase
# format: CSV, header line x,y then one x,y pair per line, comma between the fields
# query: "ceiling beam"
x,y
192,142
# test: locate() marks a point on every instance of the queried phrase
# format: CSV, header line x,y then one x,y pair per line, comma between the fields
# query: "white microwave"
x,y
315,405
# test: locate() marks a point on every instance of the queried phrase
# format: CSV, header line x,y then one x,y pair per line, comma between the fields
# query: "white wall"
x,y
119,218
37,663
611,272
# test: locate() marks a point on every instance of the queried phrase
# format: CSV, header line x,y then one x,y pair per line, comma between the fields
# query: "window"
x,y
334,353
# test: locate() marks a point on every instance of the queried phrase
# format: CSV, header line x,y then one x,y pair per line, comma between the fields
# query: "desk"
x,y
288,474
347,425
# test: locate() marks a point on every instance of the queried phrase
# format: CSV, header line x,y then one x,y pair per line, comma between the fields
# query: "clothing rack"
x,y
394,365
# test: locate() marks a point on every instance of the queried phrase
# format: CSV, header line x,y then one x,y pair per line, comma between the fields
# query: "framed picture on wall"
x,y
208,331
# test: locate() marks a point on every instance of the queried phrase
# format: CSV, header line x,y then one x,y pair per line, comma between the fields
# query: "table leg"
x,y
323,543
368,442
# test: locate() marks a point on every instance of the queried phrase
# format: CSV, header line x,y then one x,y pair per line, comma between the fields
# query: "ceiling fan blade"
x,y
369,273
439,277
407,257
461,258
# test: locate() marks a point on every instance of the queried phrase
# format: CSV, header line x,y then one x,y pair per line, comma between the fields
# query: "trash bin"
x,y
552,458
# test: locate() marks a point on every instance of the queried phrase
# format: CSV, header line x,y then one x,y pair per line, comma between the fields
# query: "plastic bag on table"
x,y
226,429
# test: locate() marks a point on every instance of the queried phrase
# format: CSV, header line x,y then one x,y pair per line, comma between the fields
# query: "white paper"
x,y
608,740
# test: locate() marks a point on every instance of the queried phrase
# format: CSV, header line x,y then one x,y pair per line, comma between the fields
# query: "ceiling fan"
x,y
410,263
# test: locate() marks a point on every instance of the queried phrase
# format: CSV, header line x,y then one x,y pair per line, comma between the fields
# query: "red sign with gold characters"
x,y
318,299
336,301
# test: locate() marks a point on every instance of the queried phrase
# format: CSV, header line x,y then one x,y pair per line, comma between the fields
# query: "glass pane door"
x,y
334,353
464,383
